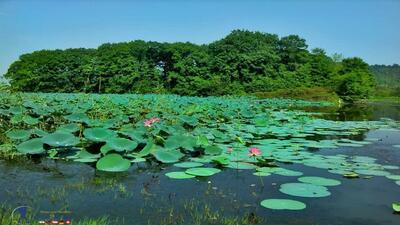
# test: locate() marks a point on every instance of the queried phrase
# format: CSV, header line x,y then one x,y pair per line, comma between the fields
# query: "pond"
x,y
145,195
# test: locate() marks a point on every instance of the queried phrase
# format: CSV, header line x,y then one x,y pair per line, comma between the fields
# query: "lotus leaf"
x,y
319,181
121,144
283,204
179,175
113,163
304,190
60,139
19,134
98,134
202,172
33,146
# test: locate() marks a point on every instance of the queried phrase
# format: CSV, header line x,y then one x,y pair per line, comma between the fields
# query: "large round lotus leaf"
x,y
283,204
261,174
113,163
212,150
190,120
202,172
286,172
304,190
33,146
188,164
390,167
149,148
19,134
396,207
121,144
105,149
179,175
176,141
372,172
60,139
220,159
72,127
393,177
30,120
319,181
98,134
167,156
339,171
349,145
39,132
268,169
77,117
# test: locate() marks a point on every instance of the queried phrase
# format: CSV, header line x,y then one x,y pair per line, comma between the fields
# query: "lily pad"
x,y
121,144
319,181
304,190
261,174
396,206
33,146
283,204
72,127
19,134
372,172
113,163
98,134
60,139
179,175
212,150
393,177
202,172
167,156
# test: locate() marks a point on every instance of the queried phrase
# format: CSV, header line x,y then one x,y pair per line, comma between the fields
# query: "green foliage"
x,y
354,80
4,88
243,62
387,79
386,76
313,94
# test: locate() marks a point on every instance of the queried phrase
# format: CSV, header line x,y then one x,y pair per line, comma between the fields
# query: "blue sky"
x,y
366,28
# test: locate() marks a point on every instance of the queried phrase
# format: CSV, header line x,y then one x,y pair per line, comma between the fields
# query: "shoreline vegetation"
x,y
242,63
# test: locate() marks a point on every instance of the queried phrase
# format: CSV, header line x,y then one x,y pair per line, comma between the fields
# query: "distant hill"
x,y
386,75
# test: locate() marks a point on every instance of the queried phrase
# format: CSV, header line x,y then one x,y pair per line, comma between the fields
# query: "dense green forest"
x,y
387,79
243,62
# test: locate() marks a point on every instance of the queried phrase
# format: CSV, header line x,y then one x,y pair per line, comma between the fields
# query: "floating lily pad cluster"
x,y
193,134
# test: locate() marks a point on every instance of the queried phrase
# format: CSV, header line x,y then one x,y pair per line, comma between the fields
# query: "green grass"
x,y
194,214
6,219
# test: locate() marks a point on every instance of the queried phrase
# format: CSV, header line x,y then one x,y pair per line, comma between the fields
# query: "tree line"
x,y
243,62
387,79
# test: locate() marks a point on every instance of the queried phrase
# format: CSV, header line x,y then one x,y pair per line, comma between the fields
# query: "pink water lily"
x,y
149,122
254,152
229,150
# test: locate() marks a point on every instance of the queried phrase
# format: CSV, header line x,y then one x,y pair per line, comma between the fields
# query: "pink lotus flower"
x,y
229,150
254,152
149,122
